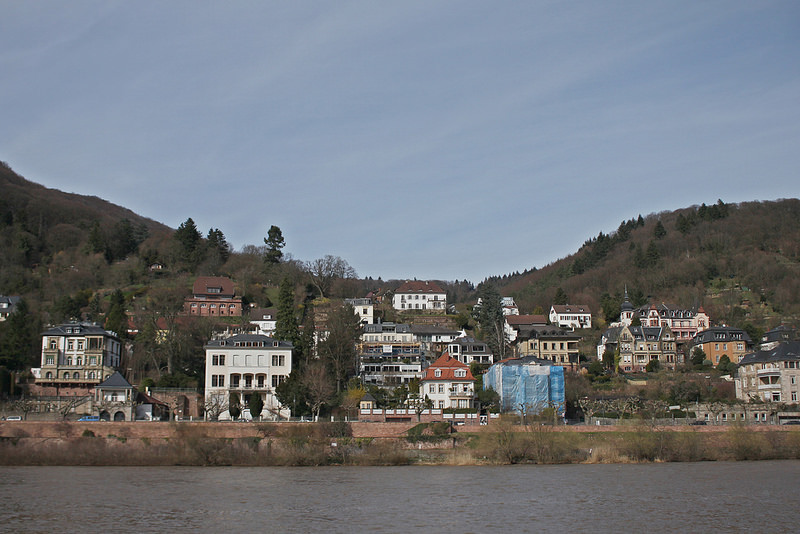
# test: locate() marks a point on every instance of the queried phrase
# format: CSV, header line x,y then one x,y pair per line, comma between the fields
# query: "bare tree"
x,y
215,405
325,270
319,386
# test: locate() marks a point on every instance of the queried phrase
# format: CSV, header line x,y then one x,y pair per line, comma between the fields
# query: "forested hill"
x,y
741,262
38,225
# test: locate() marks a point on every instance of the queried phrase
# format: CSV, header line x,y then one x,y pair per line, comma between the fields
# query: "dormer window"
x,y
437,373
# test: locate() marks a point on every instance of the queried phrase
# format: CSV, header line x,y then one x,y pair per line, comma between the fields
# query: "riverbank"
x,y
265,444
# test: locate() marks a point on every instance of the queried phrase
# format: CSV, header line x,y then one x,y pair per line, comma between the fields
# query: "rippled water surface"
x,y
686,497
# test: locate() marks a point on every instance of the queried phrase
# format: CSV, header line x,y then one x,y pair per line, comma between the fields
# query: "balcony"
x,y
460,394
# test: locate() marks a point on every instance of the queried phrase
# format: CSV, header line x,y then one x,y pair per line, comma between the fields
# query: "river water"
x,y
677,497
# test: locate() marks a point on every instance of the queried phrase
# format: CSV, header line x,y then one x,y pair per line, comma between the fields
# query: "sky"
x,y
416,139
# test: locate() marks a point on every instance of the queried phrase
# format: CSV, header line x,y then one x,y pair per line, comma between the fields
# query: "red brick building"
x,y
213,296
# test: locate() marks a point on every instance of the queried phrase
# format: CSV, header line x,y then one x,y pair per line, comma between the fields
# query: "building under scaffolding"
x,y
526,383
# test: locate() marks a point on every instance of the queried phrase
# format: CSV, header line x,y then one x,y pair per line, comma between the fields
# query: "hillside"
x,y
740,262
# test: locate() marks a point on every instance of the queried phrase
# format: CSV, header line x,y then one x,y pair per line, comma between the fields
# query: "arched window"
x,y
66,376
69,360
76,375
49,374
78,361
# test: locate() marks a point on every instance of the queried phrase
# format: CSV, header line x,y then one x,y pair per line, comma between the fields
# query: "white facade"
x,y
264,319
246,364
364,309
415,295
571,316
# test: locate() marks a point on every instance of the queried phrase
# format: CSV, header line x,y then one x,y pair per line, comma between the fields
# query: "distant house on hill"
x,y
719,341
7,306
213,296
418,295
264,319
513,324
571,315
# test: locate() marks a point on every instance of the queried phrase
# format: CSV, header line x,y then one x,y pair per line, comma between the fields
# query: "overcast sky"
x,y
431,139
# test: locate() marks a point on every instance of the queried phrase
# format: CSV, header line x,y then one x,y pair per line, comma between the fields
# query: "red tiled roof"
x,y
448,366
516,320
203,283
417,286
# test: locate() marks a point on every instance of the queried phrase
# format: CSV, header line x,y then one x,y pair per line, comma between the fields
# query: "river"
x,y
674,497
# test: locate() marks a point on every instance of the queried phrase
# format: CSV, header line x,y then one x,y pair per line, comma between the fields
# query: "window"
x,y
93,360
260,381
278,360
70,345
76,375
461,373
217,381
69,360
794,396
66,376
277,379
437,373
78,361
441,388
433,388
50,360
53,344
218,359
794,380
49,374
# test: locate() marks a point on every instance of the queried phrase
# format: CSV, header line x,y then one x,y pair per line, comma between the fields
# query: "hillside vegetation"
x,y
73,256
740,262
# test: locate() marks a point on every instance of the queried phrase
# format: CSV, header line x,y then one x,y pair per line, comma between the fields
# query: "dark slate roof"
x,y
535,331
781,333
721,334
77,329
785,351
264,341
114,381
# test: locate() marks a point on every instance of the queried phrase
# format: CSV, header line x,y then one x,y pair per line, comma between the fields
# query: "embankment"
x,y
185,443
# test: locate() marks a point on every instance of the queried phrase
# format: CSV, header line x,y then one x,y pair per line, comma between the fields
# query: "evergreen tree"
x,y
188,241
19,336
659,232
234,407
286,320
116,319
256,405
561,297
217,245
275,244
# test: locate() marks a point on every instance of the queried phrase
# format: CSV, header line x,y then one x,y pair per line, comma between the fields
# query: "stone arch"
x,y
105,416
119,416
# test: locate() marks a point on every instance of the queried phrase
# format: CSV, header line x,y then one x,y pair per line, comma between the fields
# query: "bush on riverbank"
x,y
312,445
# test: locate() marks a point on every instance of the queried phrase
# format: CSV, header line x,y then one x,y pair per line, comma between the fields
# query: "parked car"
x,y
792,422
699,423
89,418
14,418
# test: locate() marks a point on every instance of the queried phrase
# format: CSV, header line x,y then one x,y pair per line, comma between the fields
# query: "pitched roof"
x,y
418,286
448,366
256,341
204,285
571,308
721,333
518,320
784,351
114,381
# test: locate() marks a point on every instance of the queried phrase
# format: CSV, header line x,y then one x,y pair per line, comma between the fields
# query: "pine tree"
x,y
286,321
275,244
